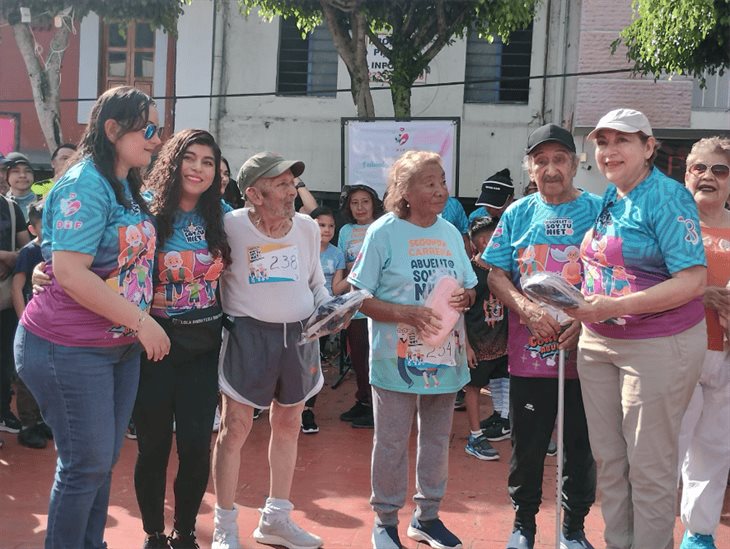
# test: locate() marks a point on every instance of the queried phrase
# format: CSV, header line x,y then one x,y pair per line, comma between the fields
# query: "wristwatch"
x,y
299,185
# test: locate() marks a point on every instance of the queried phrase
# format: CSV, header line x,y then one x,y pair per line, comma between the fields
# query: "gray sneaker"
x,y
281,530
386,537
521,539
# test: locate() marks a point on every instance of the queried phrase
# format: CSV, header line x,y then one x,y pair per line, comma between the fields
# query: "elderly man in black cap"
x,y
273,285
543,232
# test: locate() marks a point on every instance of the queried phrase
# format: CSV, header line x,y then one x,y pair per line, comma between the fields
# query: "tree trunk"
x,y
401,95
351,44
45,80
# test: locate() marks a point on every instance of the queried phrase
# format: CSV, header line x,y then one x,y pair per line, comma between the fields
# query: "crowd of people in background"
x,y
153,284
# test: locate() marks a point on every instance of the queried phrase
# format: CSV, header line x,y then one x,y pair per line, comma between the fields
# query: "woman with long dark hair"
x,y
184,191
77,347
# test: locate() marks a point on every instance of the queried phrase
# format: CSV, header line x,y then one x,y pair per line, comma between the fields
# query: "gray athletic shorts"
x,y
261,362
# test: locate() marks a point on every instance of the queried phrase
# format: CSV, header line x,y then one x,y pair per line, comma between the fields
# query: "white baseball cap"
x,y
623,120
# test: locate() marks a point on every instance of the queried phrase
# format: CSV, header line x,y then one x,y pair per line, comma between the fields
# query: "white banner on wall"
x,y
378,65
371,148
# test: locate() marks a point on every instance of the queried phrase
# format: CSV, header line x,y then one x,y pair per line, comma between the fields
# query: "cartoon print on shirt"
x,y
421,360
526,258
692,235
571,257
187,279
174,275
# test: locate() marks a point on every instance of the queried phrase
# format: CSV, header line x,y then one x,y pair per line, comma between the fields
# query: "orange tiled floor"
x,y
331,489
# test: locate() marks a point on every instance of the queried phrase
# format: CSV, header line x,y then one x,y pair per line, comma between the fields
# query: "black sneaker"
x,y
552,448
257,413
32,437
131,431
156,541
491,420
46,430
498,431
358,410
434,533
459,403
309,426
9,423
364,422
183,541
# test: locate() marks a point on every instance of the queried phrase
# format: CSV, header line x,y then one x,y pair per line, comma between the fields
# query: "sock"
x,y
475,434
504,390
494,387
276,507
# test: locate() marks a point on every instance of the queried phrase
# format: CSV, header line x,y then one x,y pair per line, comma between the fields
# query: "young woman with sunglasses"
x,y
192,251
79,342
703,442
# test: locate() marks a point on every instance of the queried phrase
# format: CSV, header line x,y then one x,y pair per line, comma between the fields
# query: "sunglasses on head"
x,y
150,130
721,171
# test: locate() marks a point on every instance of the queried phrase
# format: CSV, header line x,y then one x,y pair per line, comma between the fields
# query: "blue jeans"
x,y
86,395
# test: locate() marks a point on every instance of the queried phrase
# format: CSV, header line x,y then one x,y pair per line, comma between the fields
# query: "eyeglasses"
x,y
721,171
151,129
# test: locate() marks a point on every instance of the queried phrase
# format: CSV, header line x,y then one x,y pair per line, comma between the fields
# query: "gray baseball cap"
x,y
266,164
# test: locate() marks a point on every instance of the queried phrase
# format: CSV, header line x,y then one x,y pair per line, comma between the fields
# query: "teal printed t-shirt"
x,y
639,241
82,215
534,236
454,213
332,260
394,264
350,241
186,274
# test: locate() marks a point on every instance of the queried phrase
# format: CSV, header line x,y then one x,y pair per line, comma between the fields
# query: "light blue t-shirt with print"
x,y
534,236
639,241
81,214
350,240
186,273
395,264
332,260
454,213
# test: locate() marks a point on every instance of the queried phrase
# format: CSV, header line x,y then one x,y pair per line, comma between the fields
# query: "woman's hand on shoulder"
x,y
153,338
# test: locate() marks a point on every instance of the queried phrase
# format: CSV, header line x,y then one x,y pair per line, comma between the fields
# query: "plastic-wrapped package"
x,y
333,315
552,289
438,299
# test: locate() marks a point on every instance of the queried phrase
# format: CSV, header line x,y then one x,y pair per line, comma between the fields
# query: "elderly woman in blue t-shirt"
x,y
401,252
643,342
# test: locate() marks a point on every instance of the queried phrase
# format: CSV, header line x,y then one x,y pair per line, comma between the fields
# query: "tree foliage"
x,y
409,33
45,74
678,36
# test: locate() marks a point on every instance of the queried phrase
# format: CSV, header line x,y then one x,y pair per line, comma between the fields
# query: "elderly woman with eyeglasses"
x,y
703,441
643,340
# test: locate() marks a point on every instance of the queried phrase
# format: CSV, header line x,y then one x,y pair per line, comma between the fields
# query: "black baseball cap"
x,y
496,190
547,133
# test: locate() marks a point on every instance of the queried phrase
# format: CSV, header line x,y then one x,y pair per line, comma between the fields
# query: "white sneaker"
x,y
281,530
225,534
217,419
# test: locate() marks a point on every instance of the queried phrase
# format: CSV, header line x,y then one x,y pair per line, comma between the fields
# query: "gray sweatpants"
x,y
394,412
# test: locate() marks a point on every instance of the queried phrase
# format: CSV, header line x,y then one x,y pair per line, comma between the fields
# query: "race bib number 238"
x,y
273,263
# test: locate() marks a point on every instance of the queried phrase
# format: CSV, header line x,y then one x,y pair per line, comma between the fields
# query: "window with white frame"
x,y
715,96
497,72
306,66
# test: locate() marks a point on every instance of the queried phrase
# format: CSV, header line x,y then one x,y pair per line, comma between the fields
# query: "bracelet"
x,y
140,321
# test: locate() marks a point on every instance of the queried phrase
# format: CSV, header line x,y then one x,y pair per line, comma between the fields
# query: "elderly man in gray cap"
x,y
273,285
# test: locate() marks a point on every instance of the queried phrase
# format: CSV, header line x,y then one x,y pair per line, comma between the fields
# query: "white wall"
x,y
194,65
308,128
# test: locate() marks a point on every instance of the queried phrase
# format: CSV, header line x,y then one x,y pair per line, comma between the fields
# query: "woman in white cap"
x,y
643,341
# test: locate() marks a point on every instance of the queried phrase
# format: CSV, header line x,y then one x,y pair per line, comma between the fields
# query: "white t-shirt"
x,y
272,279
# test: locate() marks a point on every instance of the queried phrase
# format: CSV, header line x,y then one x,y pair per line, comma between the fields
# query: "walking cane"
x,y
561,413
